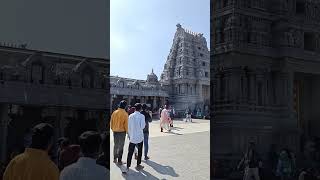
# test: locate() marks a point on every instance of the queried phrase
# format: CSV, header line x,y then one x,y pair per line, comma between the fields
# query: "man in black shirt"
x,y
146,131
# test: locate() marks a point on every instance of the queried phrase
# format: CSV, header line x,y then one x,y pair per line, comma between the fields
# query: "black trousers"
x,y
130,153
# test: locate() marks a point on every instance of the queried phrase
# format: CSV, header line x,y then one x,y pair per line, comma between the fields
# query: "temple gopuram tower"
x,y
187,71
265,74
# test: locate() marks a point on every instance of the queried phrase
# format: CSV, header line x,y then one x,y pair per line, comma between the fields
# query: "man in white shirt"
x,y
136,124
86,167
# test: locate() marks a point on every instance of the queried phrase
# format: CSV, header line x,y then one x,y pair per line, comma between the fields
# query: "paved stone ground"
x,y
182,154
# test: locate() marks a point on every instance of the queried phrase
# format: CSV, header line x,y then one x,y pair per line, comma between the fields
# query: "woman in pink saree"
x,y
165,119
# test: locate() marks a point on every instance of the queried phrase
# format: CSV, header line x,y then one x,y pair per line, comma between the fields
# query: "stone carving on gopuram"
x,y
265,74
70,92
186,72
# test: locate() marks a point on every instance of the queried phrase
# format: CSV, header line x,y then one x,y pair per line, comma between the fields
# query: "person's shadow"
x,y
139,175
171,132
165,170
176,128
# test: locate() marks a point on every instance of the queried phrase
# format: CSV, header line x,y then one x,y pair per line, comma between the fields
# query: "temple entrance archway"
x,y
306,105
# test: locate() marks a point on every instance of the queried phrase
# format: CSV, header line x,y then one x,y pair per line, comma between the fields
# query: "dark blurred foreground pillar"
x,y
4,118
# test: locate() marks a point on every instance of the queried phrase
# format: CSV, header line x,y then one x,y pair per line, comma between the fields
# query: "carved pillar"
x,y
199,89
182,89
129,100
268,89
231,86
283,88
252,87
227,80
259,89
60,123
186,90
290,81
4,118
218,87
154,102
242,86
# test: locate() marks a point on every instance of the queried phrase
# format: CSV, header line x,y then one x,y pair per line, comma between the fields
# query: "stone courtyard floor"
x,y
182,154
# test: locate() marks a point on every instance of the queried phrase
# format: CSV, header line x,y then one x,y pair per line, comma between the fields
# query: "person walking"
x,y
160,110
148,119
103,158
86,167
272,159
165,119
188,115
136,125
171,115
119,126
131,110
285,165
149,111
34,163
251,162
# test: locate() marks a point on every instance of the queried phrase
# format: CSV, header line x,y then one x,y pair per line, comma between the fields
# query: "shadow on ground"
x,y
173,133
138,175
176,128
165,170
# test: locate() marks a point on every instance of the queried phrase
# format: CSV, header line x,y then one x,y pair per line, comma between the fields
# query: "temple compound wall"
x,y
70,92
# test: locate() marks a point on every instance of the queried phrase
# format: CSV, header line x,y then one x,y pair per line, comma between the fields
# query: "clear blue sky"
x,y
141,32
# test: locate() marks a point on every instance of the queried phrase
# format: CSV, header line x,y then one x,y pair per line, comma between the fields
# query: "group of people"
x,y
134,122
282,166
87,160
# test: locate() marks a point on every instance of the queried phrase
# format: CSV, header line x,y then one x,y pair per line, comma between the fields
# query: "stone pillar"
x,y
290,83
268,89
60,123
4,118
154,102
186,89
252,87
231,86
162,101
129,100
226,92
200,90
245,88
218,88
182,89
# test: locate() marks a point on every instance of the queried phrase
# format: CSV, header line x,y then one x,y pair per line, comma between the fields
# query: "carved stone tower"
x,y
186,72
264,73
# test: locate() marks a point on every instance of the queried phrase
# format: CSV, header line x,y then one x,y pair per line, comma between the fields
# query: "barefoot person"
x,y
165,119
119,126
136,124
